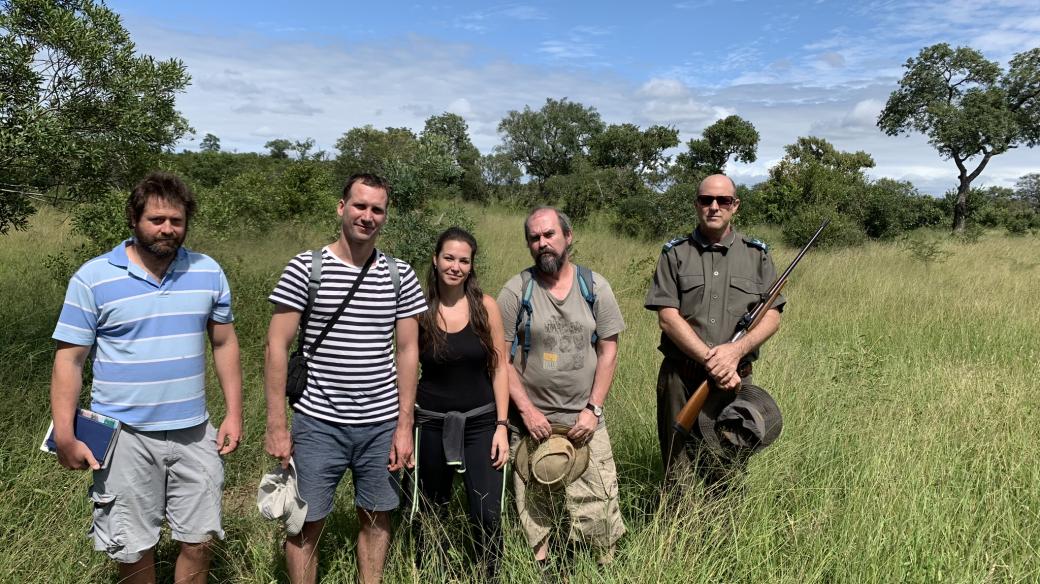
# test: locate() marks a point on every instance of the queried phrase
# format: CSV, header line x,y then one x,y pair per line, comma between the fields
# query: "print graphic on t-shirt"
x,y
565,345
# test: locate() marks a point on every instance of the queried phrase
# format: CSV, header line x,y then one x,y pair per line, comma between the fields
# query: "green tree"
x,y
80,110
210,143
730,137
546,142
498,169
279,148
1027,189
812,180
968,107
303,148
455,131
366,149
626,146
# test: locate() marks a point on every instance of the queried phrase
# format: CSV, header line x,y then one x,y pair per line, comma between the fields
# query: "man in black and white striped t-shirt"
x,y
356,412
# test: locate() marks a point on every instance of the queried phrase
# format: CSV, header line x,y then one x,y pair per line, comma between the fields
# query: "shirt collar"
x,y
725,243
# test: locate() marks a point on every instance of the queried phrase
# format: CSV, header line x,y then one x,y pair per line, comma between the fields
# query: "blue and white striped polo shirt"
x,y
148,338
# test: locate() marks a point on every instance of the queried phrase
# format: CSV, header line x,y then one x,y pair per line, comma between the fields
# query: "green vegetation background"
x,y
908,385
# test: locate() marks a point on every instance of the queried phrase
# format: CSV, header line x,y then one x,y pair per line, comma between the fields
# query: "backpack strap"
x,y
395,273
523,314
588,292
313,283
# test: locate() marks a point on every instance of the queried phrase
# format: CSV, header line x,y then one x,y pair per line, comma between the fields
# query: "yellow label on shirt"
x,y
549,360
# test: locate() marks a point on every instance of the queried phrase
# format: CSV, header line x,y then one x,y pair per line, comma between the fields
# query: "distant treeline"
x,y
83,115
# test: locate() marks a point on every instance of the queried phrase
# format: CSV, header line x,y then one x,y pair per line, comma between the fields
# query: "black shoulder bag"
x,y
296,374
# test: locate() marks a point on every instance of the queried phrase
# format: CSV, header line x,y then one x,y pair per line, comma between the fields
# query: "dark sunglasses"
x,y
724,202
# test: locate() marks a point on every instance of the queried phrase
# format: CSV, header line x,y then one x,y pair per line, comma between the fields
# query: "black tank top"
x,y
457,380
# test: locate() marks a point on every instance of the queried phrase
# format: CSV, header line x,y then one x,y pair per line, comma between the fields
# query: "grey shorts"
x,y
323,452
176,474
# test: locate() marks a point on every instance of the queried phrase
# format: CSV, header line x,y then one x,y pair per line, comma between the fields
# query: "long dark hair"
x,y
478,316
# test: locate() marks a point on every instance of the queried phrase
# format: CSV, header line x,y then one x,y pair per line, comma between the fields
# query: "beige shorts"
x,y
591,501
177,475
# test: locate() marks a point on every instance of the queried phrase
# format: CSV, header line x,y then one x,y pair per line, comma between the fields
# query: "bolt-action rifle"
x,y
688,415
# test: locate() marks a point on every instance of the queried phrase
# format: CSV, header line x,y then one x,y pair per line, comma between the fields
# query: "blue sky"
x,y
802,67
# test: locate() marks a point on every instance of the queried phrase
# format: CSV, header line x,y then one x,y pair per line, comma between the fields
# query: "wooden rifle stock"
x,y
689,412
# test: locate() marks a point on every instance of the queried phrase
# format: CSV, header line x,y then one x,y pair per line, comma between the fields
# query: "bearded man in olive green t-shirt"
x,y
561,377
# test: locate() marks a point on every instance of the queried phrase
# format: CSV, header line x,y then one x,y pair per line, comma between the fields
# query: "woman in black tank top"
x,y
461,400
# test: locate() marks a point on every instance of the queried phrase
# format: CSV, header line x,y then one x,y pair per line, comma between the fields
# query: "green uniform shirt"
x,y
712,285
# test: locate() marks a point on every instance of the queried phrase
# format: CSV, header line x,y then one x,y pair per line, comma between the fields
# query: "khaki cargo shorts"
x,y
591,501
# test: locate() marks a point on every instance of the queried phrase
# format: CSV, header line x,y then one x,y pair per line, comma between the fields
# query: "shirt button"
x,y
715,296
712,321
711,344
715,274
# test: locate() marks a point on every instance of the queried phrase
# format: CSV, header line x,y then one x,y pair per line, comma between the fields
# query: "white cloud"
x,y
460,106
248,90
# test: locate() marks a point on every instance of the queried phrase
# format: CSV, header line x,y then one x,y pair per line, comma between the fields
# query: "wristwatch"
x,y
597,410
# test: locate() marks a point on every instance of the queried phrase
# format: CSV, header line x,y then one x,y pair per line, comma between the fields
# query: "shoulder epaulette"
x,y
759,244
673,243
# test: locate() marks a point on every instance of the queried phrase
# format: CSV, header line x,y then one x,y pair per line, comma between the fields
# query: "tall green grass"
x,y
909,452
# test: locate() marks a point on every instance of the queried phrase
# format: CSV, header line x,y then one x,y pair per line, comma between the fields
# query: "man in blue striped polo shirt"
x,y
143,312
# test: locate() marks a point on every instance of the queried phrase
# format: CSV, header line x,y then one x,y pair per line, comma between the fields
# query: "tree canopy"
x,y
727,138
547,141
968,107
80,110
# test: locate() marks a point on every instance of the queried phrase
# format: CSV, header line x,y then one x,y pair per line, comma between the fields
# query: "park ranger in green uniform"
x,y
703,284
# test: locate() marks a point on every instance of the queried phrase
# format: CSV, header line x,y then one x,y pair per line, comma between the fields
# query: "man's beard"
x,y
549,262
160,247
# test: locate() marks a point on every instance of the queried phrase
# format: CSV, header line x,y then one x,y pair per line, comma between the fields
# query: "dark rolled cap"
x,y
742,421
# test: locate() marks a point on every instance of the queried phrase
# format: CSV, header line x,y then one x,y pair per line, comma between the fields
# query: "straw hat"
x,y
555,462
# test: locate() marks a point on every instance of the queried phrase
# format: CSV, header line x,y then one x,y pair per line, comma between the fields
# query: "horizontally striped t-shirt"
x,y
148,338
351,376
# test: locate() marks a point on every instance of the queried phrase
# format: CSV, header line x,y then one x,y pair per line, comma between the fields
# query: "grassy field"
x,y
909,453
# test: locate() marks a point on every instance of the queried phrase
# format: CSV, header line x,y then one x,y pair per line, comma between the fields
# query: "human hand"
x,y
723,359
75,455
500,447
537,424
729,382
584,427
401,448
229,435
278,443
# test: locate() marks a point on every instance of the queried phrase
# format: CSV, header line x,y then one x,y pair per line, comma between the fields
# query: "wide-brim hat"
x,y
554,462
279,498
746,420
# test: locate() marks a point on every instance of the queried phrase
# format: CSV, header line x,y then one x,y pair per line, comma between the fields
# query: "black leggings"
x,y
483,485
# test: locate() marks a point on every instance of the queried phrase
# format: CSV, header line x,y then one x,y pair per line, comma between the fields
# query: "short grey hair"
x,y
565,221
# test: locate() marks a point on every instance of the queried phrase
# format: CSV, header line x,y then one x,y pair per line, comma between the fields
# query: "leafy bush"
x,y
103,223
841,232
412,235
260,197
589,189
925,248
655,215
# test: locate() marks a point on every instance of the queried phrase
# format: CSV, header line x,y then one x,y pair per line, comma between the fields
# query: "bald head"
x,y
717,184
